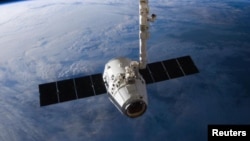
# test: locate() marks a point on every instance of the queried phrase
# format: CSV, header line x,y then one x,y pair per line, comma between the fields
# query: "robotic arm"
x,y
143,33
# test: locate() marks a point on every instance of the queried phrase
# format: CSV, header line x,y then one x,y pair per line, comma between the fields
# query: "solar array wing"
x,y
71,89
168,69
82,87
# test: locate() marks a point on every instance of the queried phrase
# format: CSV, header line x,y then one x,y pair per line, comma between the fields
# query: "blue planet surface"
x,y
49,40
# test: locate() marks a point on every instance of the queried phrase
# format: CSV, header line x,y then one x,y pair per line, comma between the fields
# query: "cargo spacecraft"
x,y
123,79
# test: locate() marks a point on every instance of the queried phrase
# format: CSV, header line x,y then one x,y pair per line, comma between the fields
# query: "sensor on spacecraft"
x,y
123,80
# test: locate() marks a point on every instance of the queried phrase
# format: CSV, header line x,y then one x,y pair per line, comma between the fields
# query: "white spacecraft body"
x,y
125,86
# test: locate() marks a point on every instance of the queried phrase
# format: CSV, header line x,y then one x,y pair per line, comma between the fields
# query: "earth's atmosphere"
x,y
49,40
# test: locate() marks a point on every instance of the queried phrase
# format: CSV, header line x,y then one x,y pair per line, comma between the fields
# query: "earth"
x,y
50,40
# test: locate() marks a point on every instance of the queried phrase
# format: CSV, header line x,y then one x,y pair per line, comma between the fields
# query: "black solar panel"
x,y
158,72
66,90
146,75
187,65
169,69
172,68
70,89
48,94
84,87
98,83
